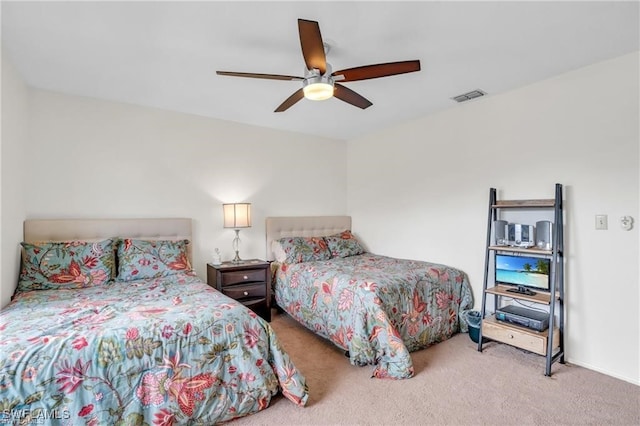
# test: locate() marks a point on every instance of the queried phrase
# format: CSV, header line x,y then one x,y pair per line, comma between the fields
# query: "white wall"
x,y
420,190
12,211
91,158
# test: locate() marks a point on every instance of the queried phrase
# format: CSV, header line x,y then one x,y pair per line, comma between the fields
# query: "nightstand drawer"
x,y
249,291
248,276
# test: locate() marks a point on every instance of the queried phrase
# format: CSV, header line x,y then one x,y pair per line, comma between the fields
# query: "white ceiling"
x,y
165,54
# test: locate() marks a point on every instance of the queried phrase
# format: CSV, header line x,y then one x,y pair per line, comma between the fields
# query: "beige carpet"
x,y
454,385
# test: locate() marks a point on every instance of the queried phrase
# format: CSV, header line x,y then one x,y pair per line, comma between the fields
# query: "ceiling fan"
x,y
320,82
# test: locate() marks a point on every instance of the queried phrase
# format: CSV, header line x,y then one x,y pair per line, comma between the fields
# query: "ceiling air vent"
x,y
469,95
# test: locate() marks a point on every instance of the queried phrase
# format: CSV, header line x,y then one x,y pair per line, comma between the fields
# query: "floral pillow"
x,y
143,259
344,244
300,249
66,265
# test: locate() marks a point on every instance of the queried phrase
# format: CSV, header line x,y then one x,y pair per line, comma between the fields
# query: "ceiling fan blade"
x,y
254,75
349,96
290,101
378,70
312,45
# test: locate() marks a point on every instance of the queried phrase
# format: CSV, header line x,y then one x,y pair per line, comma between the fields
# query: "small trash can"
x,y
473,320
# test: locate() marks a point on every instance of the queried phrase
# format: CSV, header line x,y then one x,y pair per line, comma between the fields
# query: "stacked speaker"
x,y
516,234
544,235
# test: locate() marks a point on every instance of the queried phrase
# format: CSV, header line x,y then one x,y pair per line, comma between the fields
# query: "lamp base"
x,y
236,245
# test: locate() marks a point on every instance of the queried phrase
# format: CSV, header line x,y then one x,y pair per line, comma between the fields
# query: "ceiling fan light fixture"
x,y
318,87
318,91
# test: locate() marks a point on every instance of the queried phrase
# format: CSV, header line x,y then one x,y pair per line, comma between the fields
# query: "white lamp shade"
x,y
237,215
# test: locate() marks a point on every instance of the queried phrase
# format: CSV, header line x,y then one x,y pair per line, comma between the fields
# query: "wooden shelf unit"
x,y
549,343
541,297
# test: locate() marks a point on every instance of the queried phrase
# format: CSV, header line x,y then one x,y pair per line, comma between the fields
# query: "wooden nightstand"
x,y
248,282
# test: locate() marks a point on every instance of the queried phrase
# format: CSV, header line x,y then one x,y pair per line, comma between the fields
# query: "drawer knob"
x,y
246,293
245,277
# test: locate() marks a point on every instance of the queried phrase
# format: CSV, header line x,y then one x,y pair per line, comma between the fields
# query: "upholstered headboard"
x,y
86,229
303,226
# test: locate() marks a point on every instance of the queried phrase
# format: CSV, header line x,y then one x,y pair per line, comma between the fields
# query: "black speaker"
x,y
544,235
500,232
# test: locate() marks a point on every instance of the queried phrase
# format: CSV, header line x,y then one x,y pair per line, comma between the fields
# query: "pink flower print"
x,y
173,362
93,421
132,334
99,396
152,390
29,374
369,286
187,328
71,376
177,300
167,331
345,300
90,262
16,355
144,262
87,409
187,392
5,382
251,336
81,279
98,276
230,328
164,417
442,299
79,343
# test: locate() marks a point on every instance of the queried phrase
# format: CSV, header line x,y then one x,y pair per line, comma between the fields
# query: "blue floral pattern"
x,y
163,351
301,249
376,307
144,259
344,244
72,264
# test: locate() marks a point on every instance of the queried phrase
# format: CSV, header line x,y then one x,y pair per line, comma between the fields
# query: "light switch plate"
x,y
601,221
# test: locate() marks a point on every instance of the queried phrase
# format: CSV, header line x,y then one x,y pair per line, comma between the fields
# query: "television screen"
x,y
525,271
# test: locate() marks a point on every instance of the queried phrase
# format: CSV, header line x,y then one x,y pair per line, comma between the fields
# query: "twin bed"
x,y
109,325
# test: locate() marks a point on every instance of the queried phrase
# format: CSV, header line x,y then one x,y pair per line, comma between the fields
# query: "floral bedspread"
x,y
165,351
378,308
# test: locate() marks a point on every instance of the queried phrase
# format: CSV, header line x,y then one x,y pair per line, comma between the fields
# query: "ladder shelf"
x,y
550,342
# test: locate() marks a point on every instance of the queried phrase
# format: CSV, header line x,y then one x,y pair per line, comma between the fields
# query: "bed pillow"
x,y
66,265
143,259
344,244
300,249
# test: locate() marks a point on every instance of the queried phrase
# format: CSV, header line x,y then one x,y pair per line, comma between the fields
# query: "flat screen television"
x,y
525,273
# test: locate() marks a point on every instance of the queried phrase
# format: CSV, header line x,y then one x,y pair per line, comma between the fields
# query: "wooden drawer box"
x,y
245,292
521,337
247,276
